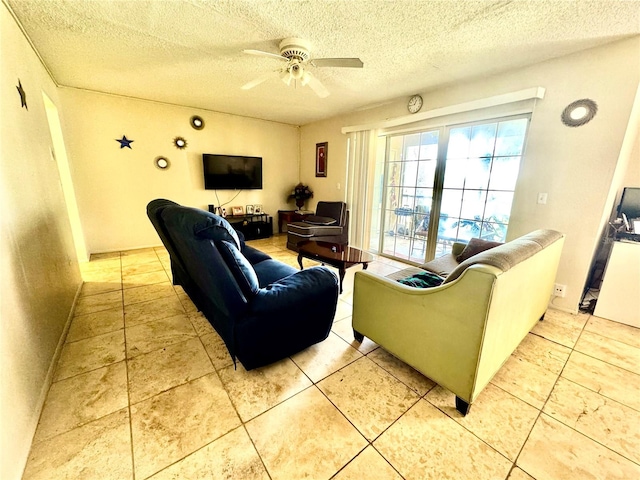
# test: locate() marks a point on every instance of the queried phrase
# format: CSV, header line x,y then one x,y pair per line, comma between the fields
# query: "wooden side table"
x,y
288,216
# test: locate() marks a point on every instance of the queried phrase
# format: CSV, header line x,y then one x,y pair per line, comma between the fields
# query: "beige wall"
x,y
575,166
39,271
114,185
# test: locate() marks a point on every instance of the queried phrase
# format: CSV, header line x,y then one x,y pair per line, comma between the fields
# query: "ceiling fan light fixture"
x,y
306,76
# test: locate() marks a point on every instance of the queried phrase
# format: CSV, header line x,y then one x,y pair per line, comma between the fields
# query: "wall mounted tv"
x,y
231,172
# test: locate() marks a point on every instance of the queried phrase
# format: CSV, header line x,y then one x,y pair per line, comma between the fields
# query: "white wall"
x,y
39,270
114,185
575,166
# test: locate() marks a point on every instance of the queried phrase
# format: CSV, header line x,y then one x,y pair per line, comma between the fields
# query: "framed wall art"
x,y
321,159
249,210
257,209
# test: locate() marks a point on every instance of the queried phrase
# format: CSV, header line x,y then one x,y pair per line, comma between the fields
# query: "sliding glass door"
x,y
432,197
408,194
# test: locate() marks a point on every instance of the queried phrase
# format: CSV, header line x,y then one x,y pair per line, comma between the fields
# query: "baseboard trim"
x,y
52,367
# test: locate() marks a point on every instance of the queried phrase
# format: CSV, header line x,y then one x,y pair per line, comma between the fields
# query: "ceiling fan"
x,y
295,52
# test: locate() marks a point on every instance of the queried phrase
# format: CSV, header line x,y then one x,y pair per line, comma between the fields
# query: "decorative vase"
x,y
299,203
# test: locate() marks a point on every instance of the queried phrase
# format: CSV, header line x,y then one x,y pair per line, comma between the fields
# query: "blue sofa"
x,y
263,309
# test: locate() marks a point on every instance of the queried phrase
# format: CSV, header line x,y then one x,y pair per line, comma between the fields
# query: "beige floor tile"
x,y
525,380
617,331
304,437
611,351
518,474
344,329
217,350
100,257
231,457
256,391
403,372
426,443
200,323
92,324
369,464
497,417
561,327
100,449
149,278
135,269
600,418
136,257
83,398
89,354
98,302
101,271
370,398
326,357
554,450
187,304
149,336
160,370
613,382
169,426
543,353
138,313
343,310
95,287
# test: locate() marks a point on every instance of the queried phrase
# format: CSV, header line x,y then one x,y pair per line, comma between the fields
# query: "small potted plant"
x,y
301,193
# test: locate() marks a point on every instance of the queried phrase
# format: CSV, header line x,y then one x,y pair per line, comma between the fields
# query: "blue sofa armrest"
x,y
298,293
287,316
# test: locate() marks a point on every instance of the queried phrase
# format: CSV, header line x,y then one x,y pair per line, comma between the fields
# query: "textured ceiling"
x,y
189,52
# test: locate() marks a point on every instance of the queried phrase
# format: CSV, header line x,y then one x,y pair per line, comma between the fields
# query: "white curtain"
x,y
361,153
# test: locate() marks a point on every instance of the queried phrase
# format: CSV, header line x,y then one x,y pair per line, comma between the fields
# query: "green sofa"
x,y
460,333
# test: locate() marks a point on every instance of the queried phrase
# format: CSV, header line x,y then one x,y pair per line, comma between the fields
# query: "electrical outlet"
x,y
558,290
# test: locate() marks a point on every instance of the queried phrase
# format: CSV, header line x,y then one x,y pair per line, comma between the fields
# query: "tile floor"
x,y
144,388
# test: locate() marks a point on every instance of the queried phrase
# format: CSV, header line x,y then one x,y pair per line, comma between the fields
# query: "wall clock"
x,y
415,104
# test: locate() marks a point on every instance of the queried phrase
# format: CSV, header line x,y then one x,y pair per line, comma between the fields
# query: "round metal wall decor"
x,y
162,163
180,142
579,112
197,122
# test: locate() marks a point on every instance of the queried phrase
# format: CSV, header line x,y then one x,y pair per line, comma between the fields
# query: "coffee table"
x,y
336,255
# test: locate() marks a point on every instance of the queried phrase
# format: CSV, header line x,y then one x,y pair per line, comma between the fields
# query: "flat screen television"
x,y
630,203
231,172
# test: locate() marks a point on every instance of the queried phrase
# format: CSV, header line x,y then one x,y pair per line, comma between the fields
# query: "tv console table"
x,y
252,226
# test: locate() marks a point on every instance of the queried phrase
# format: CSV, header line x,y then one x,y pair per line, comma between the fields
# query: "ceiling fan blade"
x,y
265,54
317,86
338,62
257,81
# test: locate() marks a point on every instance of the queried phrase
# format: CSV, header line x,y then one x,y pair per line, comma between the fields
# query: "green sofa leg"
x,y
358,336
462,406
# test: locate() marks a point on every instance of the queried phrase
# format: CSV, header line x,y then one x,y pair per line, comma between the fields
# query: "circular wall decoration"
x,y
180,143
579,112
162,163
197,122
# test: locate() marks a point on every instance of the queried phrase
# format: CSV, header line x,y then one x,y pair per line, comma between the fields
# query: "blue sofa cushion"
x,y
240,267
269,271
216,228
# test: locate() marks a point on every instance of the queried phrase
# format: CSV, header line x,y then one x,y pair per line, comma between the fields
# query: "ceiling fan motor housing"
x,y
295,48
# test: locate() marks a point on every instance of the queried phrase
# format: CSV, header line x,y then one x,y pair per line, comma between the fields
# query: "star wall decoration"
x,y
23,95
125,142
